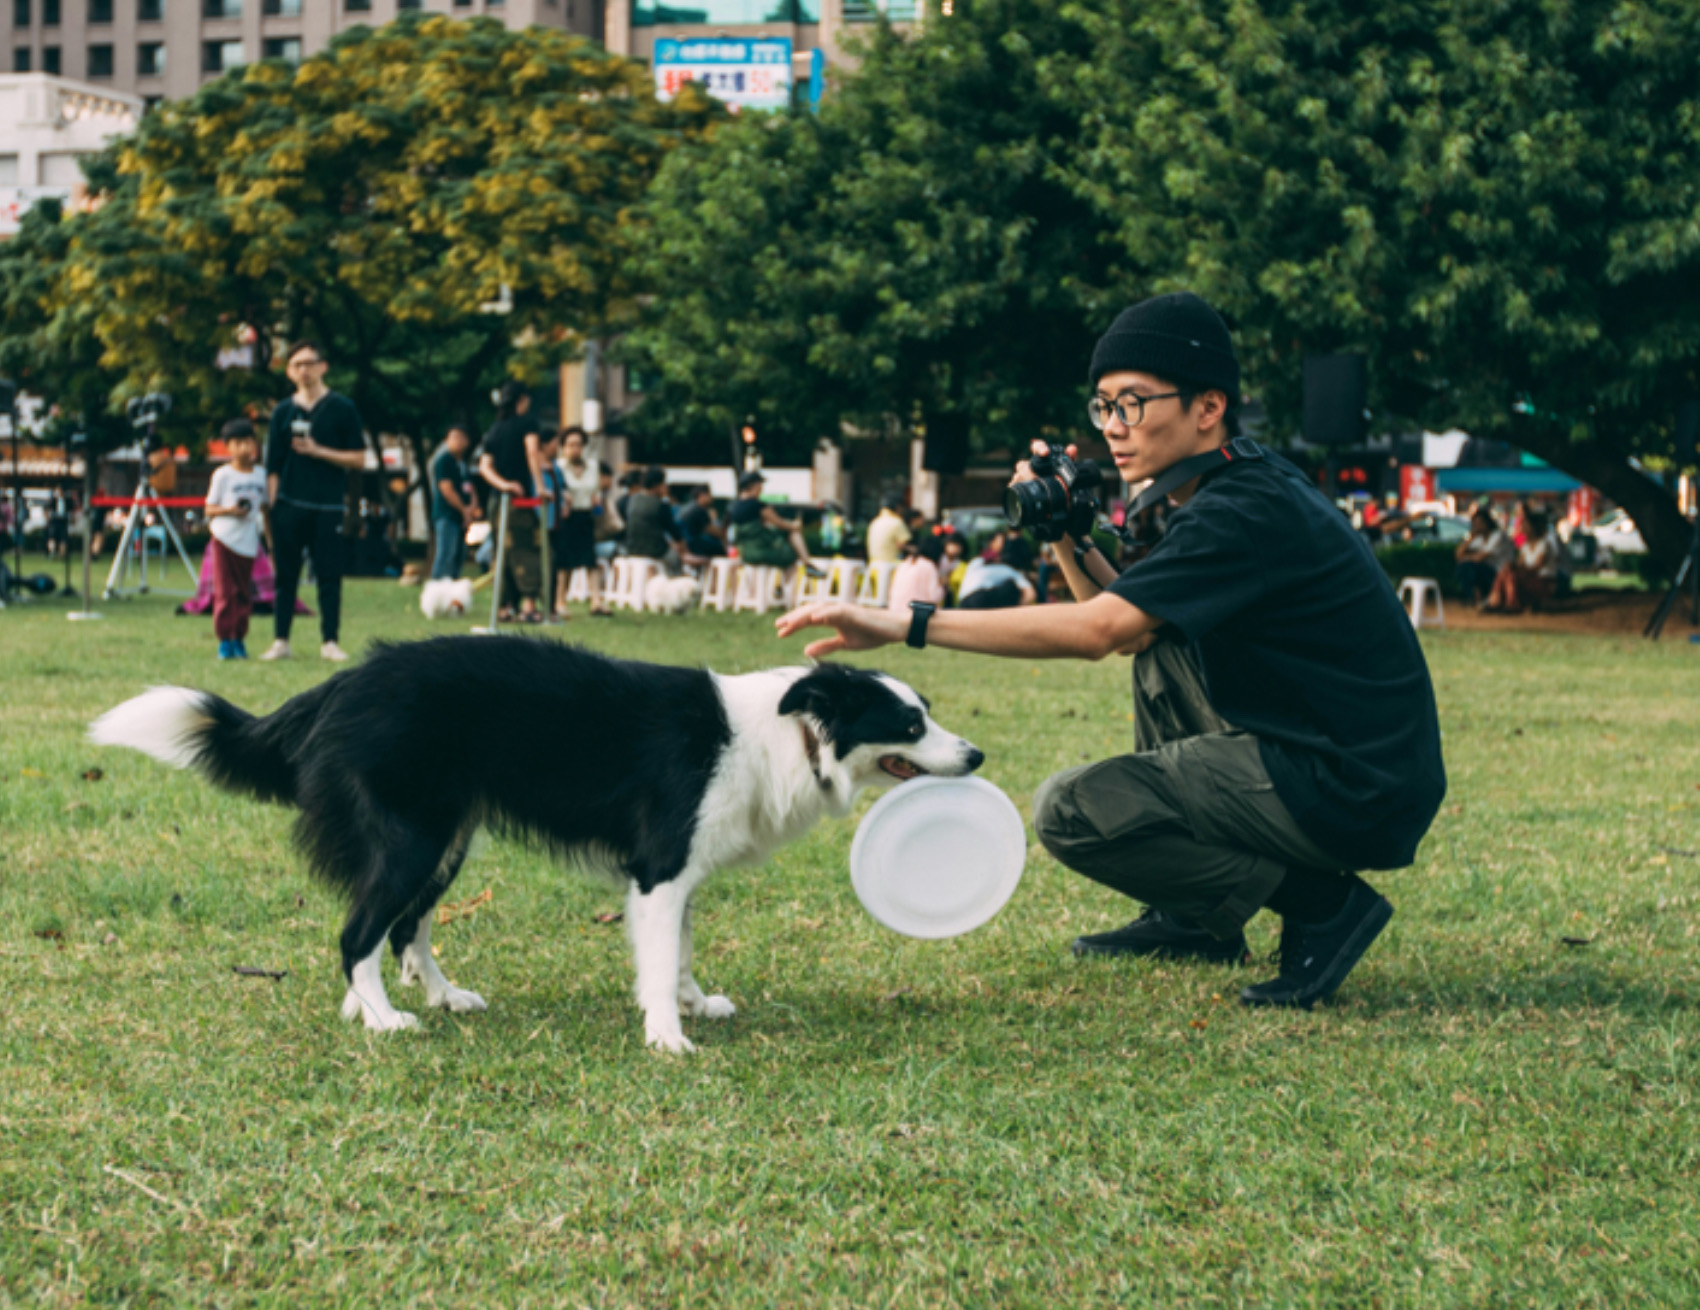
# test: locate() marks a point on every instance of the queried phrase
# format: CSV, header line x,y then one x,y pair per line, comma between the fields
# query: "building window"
x,y
281,8
284,47
100,12
150,59
151,103
20,13
100,61
357,6
21,60
728,13
150,11
220,56
8,170
221,8
463,4
50,13
868,11
50,59
407,4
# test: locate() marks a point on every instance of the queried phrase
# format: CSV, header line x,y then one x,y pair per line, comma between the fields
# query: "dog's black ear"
x,y
807,695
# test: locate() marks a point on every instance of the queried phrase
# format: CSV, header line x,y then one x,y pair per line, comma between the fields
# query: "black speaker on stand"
x,y
1336,388
946,446
1687,452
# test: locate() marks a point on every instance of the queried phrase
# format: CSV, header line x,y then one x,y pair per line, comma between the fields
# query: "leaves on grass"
x,y
1577,941
93,775
609,916
1672,850
50,934
449,911
901,991
250,971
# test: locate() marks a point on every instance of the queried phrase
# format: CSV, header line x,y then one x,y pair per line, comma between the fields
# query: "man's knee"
x,y
1061,826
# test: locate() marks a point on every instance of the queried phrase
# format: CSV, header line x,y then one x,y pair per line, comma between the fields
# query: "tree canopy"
x,y
1494,200
907,252
375,197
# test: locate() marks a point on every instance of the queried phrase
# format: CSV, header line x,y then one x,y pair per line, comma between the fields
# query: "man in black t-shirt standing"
x,y
1285,726
314,441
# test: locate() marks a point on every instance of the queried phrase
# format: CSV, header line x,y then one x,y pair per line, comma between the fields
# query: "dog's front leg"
x,y
691,998
657,920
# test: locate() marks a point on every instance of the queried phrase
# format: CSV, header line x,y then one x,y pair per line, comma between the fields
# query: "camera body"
x,y
144,413
1060,500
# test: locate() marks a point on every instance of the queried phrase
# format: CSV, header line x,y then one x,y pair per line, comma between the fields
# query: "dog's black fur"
x,y
392,761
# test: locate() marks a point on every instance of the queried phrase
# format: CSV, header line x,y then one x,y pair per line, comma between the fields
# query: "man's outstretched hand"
x,y
859,628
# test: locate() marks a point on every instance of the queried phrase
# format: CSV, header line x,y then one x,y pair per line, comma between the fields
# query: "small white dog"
x,y
664,595
444,598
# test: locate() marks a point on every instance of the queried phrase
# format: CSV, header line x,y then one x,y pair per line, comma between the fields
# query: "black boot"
x,y
1167,937
1316,957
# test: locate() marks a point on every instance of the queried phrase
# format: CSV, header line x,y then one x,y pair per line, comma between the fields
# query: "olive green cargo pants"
x,y
1189,824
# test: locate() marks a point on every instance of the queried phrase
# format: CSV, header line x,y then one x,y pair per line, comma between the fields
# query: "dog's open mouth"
x,y
900,768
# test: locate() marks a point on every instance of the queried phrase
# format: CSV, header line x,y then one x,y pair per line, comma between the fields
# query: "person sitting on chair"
x,y
759,532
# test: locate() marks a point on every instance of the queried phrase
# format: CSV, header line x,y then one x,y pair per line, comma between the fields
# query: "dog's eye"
x,y
917,731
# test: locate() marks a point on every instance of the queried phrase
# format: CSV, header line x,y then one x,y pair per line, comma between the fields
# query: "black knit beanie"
x,y
1172,336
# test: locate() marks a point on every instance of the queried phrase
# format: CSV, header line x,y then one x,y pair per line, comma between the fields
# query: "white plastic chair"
x,y
761,587
719,587
581,587
874,590
631,575
1415,594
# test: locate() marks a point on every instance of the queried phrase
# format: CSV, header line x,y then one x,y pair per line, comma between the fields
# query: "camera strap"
x,y
1178,475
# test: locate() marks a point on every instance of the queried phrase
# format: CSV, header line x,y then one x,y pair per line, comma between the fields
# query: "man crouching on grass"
x,y
1284,721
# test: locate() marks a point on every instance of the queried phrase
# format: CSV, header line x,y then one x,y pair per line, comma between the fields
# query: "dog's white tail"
x,y
168,723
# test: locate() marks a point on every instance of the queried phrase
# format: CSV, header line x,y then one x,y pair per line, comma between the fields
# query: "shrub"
x,y
1420,559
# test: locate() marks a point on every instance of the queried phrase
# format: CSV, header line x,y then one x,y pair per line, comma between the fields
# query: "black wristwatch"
x,y
919,613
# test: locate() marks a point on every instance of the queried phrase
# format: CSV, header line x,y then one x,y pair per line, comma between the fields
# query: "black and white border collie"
x,y
657,775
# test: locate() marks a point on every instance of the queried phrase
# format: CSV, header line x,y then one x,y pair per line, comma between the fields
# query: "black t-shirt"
x,y
303,480
744,511
694,522
1304,645
446,468
505,444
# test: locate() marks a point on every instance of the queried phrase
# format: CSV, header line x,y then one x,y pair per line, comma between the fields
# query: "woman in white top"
x,y
1531,578
1482,556
574,542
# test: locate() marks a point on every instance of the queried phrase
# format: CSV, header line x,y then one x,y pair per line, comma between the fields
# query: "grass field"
x,y
1489,1115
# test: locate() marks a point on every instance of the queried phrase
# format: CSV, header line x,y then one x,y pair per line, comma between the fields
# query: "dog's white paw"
x,y
460,1001
351,1006
409,974
392,1022
713,1007
674,1042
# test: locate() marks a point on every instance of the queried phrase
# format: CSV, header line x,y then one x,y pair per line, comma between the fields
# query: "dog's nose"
x,y
976,757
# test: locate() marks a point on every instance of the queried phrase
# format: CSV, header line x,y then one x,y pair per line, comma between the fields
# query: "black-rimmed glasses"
x,y
1129,407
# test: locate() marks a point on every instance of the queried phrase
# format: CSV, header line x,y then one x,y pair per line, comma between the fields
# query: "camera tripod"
x,y
1688,572
136,530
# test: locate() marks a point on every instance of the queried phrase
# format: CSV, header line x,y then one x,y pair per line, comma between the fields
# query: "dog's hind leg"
x,y
404,860
657,923
410,937
691,998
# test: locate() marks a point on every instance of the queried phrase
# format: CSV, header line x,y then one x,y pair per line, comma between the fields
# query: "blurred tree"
x,y
906,251
1495,200
55,355
439,203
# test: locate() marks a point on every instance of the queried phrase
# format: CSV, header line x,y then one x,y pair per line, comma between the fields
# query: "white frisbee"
x,y
938,857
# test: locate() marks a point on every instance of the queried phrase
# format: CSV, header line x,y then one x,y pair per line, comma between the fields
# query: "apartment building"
x,y
160,49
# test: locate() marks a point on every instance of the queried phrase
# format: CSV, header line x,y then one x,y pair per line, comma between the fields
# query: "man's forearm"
x,y
348,459
1087,631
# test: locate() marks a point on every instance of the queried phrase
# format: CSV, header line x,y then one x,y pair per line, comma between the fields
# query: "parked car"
x,y
1615,534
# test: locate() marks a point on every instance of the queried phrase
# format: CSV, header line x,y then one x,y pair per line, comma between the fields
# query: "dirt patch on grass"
x,y
1599,613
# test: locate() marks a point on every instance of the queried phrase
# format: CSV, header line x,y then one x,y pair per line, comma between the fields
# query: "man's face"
x,y
1168,433
458,442
306,368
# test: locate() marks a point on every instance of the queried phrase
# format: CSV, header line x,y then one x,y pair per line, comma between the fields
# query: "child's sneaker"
x,y
241,649
225,651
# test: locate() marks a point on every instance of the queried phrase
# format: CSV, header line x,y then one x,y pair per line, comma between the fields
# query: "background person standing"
x,y
453,509
234,505
314,441
512,461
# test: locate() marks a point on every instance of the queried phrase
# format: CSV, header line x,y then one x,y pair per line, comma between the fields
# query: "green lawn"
x,y
1487,1116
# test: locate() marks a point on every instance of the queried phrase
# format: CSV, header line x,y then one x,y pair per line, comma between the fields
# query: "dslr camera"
x,y
1060,500
145,412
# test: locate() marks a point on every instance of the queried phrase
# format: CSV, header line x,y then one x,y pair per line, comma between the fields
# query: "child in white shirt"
x,y
235,500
